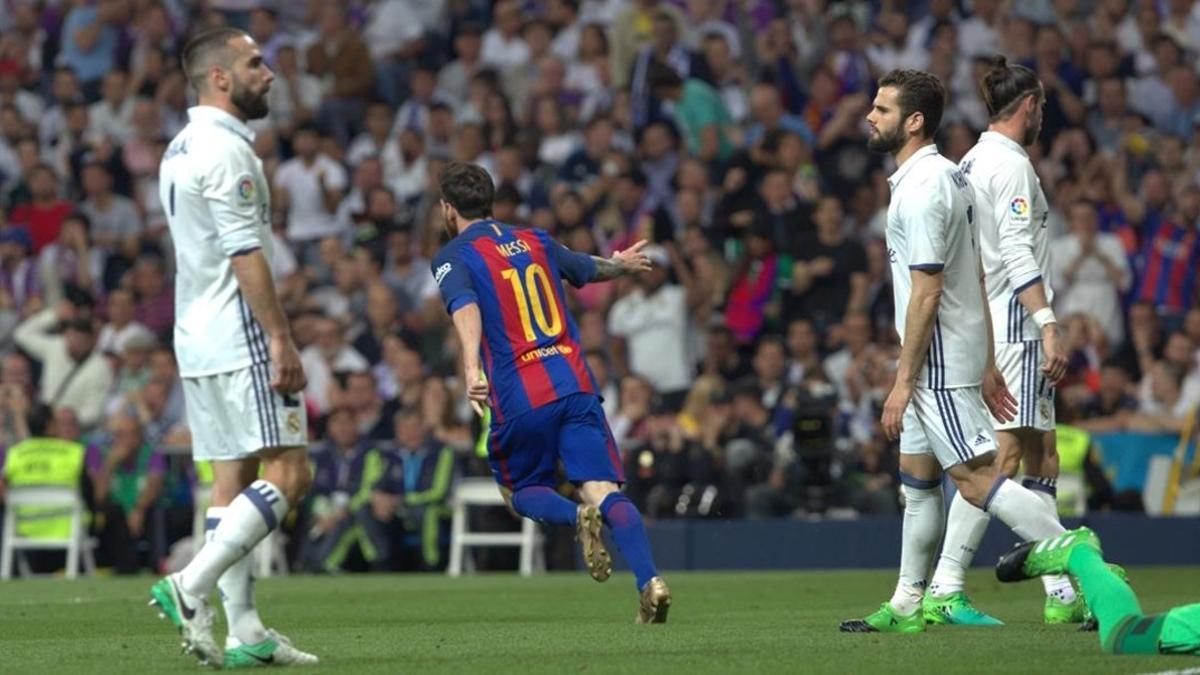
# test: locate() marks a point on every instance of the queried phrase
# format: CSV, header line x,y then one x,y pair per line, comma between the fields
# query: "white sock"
x,y
248,518
1056,585
236,587
922,532
965,526
1026,515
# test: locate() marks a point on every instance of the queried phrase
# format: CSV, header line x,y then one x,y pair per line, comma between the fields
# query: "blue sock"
x,y
627,530
544,505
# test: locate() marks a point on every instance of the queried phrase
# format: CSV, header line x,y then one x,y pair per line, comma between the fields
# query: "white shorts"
x,y
234,415
953,425
1021,365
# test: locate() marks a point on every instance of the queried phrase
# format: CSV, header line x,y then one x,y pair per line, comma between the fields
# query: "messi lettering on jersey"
x,y
530,348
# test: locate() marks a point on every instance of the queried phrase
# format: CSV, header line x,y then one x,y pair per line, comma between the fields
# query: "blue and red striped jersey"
x,y
1169,260
530,348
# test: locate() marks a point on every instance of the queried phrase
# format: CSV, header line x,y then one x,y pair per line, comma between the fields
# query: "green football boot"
x,y
1048,556
275,650
1058,612
191,615
955,609
885,620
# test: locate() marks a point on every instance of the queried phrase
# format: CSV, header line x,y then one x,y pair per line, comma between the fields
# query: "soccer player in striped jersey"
x,y
946,381
1030,353
503,289
241,372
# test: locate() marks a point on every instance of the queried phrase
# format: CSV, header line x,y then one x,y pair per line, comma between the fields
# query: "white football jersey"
x,y
218,204
929,227
1013,240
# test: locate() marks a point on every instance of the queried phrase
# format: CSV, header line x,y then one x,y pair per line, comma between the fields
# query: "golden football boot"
x,y
655,602
587,531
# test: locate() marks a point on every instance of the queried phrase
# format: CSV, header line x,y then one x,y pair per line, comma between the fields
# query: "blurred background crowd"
x,y
743,376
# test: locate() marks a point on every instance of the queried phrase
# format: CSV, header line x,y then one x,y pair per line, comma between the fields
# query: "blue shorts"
x,y
525,450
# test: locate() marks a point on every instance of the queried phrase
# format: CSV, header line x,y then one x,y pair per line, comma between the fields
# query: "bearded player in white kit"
x,y
946,381
1015,250
241,372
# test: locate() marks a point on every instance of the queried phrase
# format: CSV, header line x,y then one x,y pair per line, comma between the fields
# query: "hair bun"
x,y
999,62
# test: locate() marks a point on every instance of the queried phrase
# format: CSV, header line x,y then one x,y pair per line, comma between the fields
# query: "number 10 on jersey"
x,y
537,293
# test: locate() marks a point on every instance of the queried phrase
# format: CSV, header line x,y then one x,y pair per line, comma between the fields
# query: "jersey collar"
x,y
997,137
208,113
908,164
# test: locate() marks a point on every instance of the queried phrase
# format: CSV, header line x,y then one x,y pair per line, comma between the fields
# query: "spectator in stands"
x,y
1170,257
503,46
395,38
698,112
856,341
308,188
20,284
754,284
328,356
1093,270
294,96
652,318
346,468
113,217
339,55
803,351
829,277
111,117
372,414
42,216
454,78
155,295
74,373
122,325
90,42
415,492
127,484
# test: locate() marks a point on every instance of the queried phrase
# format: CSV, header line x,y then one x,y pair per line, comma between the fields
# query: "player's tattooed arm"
x,y
629,261
607,269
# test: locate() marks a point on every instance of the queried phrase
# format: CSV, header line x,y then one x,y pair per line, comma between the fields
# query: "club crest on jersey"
x,y
1019,207
245,189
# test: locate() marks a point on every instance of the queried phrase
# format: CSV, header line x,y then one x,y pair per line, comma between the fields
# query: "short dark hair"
x,y
468,188
38,419
204,50
921,92
1005,86
662,76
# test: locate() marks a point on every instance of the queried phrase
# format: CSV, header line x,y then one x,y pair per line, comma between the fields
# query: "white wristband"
x,y
1044,317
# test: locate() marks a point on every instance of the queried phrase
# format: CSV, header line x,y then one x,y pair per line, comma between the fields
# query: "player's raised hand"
x,y
632,260
1054,366
477,388
997,397
893,410
289,375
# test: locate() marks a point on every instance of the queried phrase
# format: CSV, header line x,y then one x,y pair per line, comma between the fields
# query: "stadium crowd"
x,y
743,376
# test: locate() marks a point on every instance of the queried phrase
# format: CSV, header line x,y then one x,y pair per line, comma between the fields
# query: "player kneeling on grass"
x,y
1124,628
503,288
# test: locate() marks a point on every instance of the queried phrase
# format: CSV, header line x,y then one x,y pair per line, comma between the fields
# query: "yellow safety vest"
x,y
1073,445
204,472
44,462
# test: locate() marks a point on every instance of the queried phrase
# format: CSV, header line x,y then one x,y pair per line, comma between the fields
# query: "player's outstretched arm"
x,y
258,288
629,261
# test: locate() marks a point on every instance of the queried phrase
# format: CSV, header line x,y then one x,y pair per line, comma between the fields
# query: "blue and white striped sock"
x,y
247,520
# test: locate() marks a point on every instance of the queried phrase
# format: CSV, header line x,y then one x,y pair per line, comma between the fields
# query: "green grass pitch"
x,y
559,623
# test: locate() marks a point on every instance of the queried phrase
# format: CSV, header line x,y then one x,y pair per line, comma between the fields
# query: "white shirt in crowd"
x,y
655,328
929,227
320,372
65,383
307,217
1092,291
1011,216
218,204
